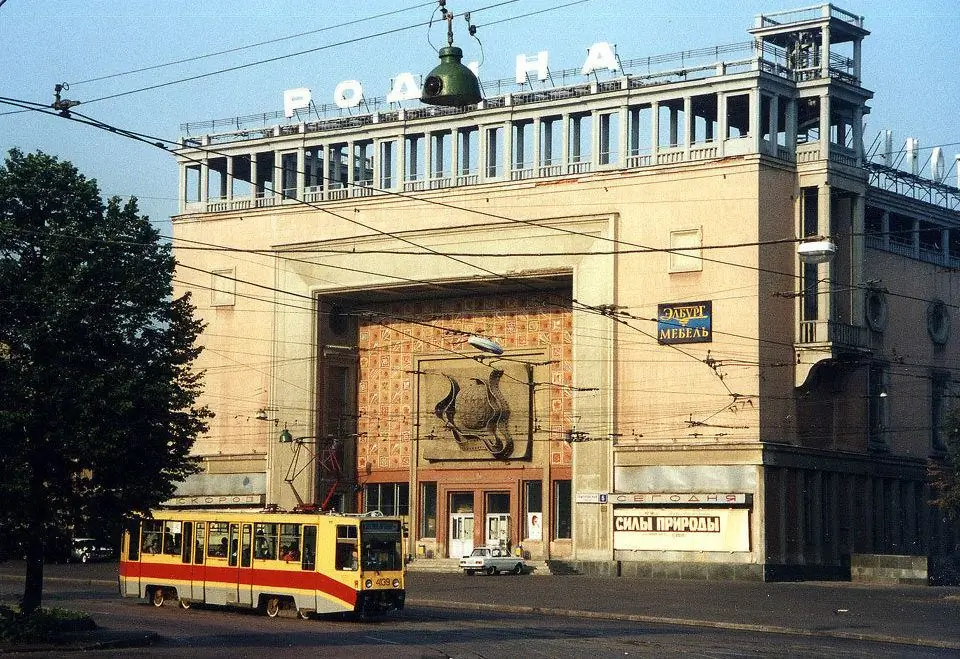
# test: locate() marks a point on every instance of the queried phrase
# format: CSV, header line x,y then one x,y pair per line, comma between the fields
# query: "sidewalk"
x,y
915,615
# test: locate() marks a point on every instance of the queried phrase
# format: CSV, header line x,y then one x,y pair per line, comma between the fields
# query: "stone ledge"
x,y
889,568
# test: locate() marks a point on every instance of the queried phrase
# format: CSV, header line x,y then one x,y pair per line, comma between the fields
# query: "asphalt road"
x,y
812,614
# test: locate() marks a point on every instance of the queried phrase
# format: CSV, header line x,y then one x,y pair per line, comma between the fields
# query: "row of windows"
x,y
394,499
192,541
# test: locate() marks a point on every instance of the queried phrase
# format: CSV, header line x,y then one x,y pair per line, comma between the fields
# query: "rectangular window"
x,y
467,145
428,510
494,165
609,138
363,163
551,144
288,175
223,288
172,535
338,166
290,542
562,510
580,141
152,536
198,551
313,168
346,556
440,152
686,254
939,382
217,544
389,498
413,157
387,160
533,505
878,407
309,561
265,541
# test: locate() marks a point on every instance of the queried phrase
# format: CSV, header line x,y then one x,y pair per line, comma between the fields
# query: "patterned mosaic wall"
x,y
409,330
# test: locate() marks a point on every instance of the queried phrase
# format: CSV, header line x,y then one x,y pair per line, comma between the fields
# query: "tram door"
x,y
197,570
241,551
461,534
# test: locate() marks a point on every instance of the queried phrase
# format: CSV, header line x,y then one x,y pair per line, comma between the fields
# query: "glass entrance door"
x,y
461,534
498,529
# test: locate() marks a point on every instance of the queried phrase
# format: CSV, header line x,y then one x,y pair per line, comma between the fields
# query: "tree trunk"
x,y
33,582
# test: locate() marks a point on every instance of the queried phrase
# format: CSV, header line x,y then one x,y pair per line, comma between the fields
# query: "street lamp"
x,y
485,344
816,250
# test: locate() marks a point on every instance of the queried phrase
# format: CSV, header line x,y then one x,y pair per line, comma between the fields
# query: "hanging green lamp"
x,y
451,83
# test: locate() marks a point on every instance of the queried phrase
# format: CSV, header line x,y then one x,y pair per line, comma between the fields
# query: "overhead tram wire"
x,y
278,58
268,42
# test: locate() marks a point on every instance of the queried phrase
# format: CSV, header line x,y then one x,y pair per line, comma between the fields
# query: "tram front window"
x,y
381,545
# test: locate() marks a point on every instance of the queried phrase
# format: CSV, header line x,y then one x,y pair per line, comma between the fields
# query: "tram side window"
x,y
309,548
347,558
265,541
198,553
152,536
290,542
133,533
217,543
172,536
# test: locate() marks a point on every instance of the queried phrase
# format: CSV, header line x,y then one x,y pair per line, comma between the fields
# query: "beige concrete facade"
x,y
676,390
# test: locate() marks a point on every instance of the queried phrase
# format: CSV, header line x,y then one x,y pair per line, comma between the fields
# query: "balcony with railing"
x,y
818,340
830,333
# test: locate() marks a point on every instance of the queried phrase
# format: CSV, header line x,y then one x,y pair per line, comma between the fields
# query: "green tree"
x,y
945,469
98,396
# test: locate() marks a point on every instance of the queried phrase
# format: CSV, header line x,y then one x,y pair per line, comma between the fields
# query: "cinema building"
x,y
669,318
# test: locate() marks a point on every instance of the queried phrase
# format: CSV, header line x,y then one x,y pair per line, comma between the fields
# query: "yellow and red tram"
x,y
308,563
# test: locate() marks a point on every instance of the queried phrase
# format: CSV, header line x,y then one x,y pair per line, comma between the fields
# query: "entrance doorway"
x,y
497,520
498,529
461,524
461,534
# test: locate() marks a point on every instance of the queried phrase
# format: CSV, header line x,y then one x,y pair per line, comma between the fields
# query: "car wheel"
x,y
518,568
491,570
273,607
469,573
157,597
85,558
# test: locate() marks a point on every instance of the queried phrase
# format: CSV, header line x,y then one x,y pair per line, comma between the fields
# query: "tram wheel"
x,y
273,607
185,604
157,597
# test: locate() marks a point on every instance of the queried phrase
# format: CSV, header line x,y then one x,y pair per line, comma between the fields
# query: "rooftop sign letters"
x,y
404,87
685,322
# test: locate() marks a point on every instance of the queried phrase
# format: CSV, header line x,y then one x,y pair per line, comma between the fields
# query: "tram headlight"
x,y
396,583
368,583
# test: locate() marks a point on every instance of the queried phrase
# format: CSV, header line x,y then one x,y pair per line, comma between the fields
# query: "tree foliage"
x,y
945,469
97,393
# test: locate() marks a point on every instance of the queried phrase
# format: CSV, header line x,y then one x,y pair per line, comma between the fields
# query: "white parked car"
x,y
492,560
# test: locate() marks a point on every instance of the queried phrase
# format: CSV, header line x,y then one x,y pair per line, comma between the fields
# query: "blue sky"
x,y
910,63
